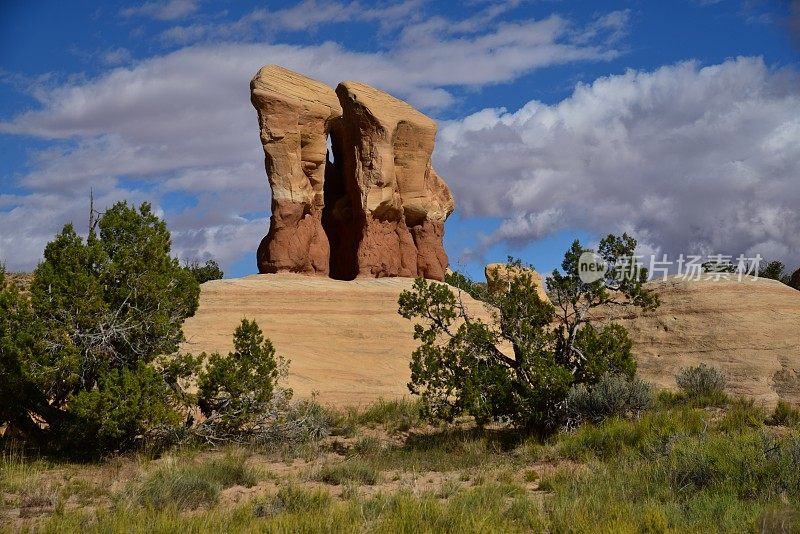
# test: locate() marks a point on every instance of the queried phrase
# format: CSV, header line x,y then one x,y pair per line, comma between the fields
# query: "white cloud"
x,y
168,10
116,56
690,159
307,15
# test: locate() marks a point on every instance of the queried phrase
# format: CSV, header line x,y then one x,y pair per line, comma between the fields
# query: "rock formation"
x,y
498,276
353,347
376,209
345,340
295,115
747,329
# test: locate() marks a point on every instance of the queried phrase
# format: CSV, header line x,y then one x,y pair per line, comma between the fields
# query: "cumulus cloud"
x,y
690,159
179,129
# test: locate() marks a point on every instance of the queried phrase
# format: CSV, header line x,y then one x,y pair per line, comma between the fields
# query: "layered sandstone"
x,y
295,114
352,347
748,329
374,207
388,147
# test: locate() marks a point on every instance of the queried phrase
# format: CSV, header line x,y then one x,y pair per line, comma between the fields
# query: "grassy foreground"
x,y
677,468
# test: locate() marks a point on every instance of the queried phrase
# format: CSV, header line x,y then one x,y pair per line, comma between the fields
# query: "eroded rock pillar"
x,y
404,203
374,206
295,115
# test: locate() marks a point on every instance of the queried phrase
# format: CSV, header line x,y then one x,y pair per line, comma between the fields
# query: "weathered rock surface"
x,y
388,147
376,209
350,345
498,276
295,114
353,347
749,329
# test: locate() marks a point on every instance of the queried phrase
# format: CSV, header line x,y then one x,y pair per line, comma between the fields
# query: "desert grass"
x,y
352,471
188,484
393,416
731,467
784,414
17,471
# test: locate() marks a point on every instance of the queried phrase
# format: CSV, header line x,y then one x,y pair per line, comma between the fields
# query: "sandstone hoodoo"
x,y
371,207
295,115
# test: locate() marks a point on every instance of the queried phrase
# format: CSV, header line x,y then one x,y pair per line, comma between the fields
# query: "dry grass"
x,y
673,469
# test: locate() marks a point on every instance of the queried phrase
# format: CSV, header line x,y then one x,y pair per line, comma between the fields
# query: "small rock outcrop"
x,y
372,207
498,275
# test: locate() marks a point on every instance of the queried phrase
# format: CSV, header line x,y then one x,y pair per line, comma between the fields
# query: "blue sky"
x,y
677,121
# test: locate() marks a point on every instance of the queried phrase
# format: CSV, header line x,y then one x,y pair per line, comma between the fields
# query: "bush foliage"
x,y
210,270
612,395
701,381
460,368
89,362
237,387
101,310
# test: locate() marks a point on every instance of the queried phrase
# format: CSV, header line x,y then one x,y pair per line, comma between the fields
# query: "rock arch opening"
x,y
339,219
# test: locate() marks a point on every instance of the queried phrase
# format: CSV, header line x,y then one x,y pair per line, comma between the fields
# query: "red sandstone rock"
x,y
388,147
377,209
295,114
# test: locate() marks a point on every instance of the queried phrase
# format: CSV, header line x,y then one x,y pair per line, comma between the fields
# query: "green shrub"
x,y
701,381
612,395
397,414
460,369
774,270
235,389
101,310
751,464
463,282
127,405
742,414
605,351
303,421
203,273
21,349
673,399
784,415
650,435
